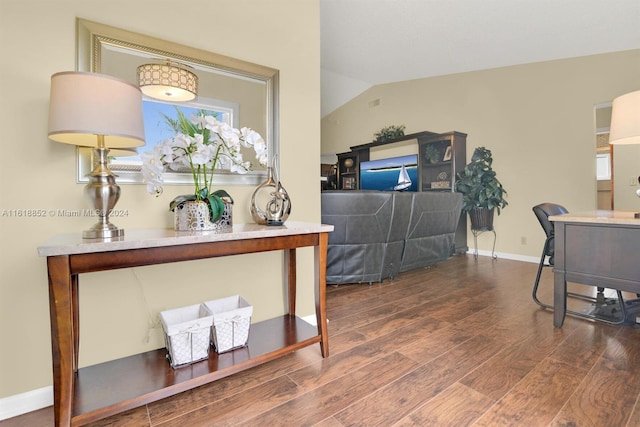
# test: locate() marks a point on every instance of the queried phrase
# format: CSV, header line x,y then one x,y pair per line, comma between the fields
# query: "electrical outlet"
x,y
523,240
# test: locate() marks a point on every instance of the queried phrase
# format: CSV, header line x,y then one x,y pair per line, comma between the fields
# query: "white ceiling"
x,y
370,42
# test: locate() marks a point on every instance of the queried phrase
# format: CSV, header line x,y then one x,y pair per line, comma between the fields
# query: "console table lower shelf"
x,y
113,387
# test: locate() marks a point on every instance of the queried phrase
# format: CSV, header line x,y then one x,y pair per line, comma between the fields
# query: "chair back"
x,y
543,211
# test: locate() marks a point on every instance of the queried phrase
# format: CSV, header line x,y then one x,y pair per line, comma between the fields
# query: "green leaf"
x,y
203,194
216,207
222,193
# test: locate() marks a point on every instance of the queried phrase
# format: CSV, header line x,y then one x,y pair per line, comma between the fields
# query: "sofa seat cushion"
x,y
425,251
354,263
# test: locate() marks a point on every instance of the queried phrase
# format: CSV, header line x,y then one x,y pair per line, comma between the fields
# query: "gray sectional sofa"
x,y
378,234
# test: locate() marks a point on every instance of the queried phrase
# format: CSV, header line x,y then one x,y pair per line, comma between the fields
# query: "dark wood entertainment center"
x,y
441,156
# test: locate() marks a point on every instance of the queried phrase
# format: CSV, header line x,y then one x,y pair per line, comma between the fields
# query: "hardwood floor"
x,y
461,343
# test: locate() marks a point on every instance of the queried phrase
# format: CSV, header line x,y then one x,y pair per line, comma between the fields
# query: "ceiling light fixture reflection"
x,y
167,82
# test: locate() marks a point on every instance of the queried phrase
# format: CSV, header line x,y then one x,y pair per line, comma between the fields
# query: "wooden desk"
x,y
599,248
88,394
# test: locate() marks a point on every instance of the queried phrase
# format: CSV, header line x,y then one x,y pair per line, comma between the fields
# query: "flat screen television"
x,y
391,174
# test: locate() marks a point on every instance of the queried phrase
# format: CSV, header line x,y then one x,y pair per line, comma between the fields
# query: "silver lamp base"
x,y
103,193
98,232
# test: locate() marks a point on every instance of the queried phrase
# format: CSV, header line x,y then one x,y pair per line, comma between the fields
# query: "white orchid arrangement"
x,y
202,144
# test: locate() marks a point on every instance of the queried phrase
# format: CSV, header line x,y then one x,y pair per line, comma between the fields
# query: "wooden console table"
x,y
597,248
95,392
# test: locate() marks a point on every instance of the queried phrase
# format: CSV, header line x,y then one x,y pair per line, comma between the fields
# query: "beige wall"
x,y
537,119
119,309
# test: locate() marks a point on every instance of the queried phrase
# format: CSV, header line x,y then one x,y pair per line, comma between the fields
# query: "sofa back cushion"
x,y
357,245
402,202
357,216
432,227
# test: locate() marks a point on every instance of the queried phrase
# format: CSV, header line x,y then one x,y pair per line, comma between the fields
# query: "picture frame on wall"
x,y
348,183
447,154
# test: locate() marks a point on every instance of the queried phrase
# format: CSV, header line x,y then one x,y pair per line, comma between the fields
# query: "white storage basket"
x,y
231,322
187,333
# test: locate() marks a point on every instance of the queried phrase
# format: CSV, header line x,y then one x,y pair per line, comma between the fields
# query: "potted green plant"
x,y
431,154
482,193
389,133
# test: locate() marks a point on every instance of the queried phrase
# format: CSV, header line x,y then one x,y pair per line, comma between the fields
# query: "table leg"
x,y
75,310
61,312
290,267
559,299
320,265
559,277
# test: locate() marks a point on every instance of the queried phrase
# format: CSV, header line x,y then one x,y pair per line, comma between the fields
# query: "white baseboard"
x,y
311,320
22,403
514,257
33,400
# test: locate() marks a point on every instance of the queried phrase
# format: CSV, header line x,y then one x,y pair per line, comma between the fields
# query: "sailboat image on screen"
x,y
390,174
404,181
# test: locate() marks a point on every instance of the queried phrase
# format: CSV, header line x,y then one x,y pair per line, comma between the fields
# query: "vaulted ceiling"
x,y
370,42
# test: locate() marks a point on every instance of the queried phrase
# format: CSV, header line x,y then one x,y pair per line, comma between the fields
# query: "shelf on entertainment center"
x,y
450,151
349,169
437,164
436,189
109,388
407,137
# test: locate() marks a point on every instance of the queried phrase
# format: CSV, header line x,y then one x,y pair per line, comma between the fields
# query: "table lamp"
x,y
102,112
625,123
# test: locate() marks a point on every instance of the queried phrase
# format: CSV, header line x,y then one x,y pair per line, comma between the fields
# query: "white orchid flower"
x,y
222,150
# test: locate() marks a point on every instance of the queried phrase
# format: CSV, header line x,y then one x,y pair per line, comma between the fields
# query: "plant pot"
x,y
193,215
481,219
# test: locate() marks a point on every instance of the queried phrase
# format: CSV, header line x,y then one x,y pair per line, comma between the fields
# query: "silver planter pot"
x,y
194,216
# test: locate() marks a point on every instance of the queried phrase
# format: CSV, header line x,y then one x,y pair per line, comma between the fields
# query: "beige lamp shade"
x,y
167,82
84,106
625,119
